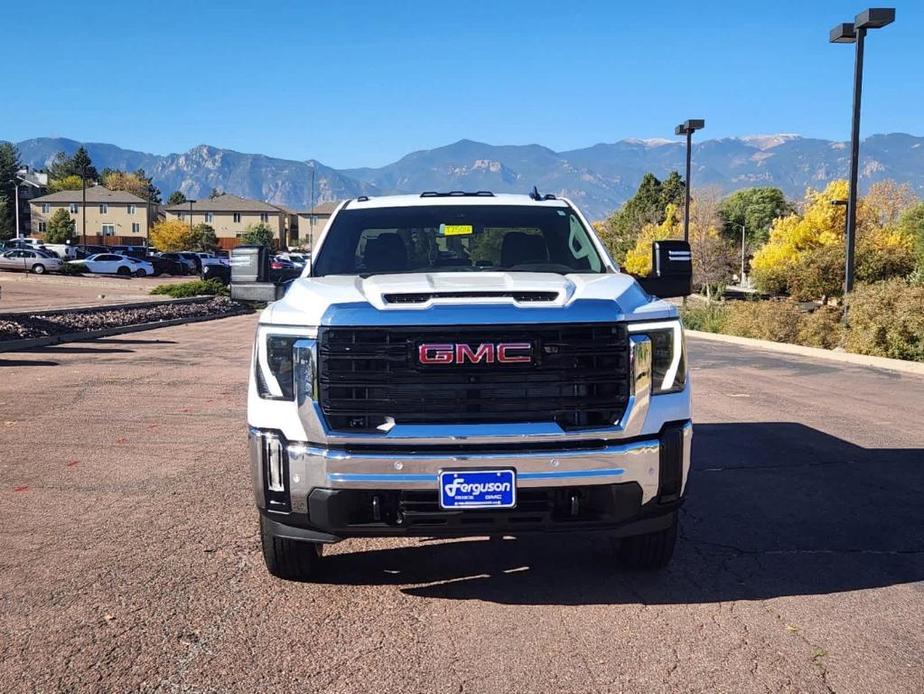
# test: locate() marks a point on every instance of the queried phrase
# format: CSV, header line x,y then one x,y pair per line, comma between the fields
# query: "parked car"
x,y
280,263
194,257
166,266
298,259
29,261
188,263
139,252
222,273
211,259
65,251
85,250
22,244
114,264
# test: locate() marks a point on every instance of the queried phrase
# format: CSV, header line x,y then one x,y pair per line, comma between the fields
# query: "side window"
x,y
581,246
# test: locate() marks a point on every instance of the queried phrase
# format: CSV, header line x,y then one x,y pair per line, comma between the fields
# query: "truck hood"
x,y
314,301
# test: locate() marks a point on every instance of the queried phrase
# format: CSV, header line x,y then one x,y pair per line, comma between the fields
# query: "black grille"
x,y
423,297
578,376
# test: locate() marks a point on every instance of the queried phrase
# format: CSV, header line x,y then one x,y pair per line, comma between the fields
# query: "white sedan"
x,y
29,261
112,264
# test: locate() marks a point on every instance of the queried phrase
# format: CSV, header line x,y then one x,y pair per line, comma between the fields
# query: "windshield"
x,y
457,238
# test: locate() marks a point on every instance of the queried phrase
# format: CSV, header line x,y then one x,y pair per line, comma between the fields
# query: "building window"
x,y
46,208
136,228
42,227
181,215
131,209
209,216
264,217
73,208
237,217
108,229
104,208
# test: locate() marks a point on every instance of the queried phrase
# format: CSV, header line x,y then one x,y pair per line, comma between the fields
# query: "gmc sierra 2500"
x,y
456,364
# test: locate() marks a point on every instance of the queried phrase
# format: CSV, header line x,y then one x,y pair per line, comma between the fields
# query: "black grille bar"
x,y
579,376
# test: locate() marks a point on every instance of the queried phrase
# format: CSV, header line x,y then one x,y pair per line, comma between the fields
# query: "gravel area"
x,y
35,325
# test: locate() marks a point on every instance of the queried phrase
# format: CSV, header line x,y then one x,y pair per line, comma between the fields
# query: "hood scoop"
x,y
424,297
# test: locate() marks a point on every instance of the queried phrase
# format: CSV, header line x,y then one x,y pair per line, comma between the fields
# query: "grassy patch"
x,y
184,290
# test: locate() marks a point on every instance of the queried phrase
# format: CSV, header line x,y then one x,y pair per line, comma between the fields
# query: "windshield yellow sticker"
x,y
456,230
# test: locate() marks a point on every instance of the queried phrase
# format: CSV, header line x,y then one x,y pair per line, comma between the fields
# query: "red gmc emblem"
x,y
486,352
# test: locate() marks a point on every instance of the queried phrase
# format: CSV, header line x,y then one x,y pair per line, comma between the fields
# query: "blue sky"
x,y
363,83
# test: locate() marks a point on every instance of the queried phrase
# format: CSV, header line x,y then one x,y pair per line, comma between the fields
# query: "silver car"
x,y
30,261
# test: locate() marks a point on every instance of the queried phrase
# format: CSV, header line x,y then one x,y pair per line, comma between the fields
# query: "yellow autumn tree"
x,y
67,183
638,258
172,235
802,247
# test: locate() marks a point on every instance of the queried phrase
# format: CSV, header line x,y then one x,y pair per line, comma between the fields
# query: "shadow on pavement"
x,y
774,509
88,348
26,362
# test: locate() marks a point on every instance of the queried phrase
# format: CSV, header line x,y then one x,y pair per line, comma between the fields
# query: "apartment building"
x,y
112,216
230,216
312,222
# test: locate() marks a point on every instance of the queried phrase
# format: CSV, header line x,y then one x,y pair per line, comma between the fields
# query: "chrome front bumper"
x,y
310,467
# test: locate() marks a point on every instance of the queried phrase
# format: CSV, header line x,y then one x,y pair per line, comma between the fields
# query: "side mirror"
x,y
671,270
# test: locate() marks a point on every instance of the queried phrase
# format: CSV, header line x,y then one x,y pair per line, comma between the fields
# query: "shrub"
x,y
709,317
258,235
886,319
823,328
775,320
61,228
73,269
183,290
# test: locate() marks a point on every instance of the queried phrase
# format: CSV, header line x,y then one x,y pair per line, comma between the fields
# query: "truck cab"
x,y
469,364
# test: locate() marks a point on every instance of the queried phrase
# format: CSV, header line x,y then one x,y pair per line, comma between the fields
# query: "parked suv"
x,y
469,364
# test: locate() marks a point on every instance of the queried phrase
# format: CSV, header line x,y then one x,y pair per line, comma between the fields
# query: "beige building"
x,y
112,216
312,222
230,216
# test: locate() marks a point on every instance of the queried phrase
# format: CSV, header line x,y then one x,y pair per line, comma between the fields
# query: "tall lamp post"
x,y
190,213
743,230
688,127
855,32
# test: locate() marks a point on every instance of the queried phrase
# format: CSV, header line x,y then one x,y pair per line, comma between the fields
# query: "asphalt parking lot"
x,y
20,291
129,556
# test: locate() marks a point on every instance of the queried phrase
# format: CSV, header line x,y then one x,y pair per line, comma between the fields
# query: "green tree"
x,y
755,208
79,164
204,238
61,227
176,198
137,183
912,223
9,165
66,183
621,230
258,235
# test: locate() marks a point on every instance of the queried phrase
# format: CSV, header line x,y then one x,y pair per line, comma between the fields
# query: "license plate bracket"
x,y
474,489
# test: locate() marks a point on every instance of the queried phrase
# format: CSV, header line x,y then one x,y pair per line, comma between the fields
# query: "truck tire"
x,y
289,559
650,551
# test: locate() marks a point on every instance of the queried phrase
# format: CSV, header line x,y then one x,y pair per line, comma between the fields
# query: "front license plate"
x,y
478,488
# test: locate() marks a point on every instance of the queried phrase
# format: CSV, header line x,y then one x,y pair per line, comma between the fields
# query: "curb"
x,y
36,342
899,365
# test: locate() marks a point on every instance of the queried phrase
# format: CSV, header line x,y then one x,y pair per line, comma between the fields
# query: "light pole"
x,y
743,229
311,210
16,195
190,213
83,204
688,127
855,32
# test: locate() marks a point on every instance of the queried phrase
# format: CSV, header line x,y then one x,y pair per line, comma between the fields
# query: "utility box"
x,y
250,275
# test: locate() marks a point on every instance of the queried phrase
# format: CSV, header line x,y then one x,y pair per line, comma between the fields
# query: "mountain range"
x,y
598,178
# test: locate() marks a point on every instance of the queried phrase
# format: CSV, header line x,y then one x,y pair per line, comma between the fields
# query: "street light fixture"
x,y
855,32
688,127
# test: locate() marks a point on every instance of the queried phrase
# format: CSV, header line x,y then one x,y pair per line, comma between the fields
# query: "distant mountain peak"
x,y
769,141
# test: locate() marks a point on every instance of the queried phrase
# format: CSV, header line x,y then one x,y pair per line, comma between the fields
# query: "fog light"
x,y
274,455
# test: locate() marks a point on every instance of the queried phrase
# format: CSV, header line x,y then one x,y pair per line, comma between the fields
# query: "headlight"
x,y
275,363
668,356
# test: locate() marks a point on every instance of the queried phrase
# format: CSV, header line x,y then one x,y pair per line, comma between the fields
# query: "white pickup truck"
x,y
457,364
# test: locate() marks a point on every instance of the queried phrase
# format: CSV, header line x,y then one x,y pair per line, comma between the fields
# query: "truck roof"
x,y
427,199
